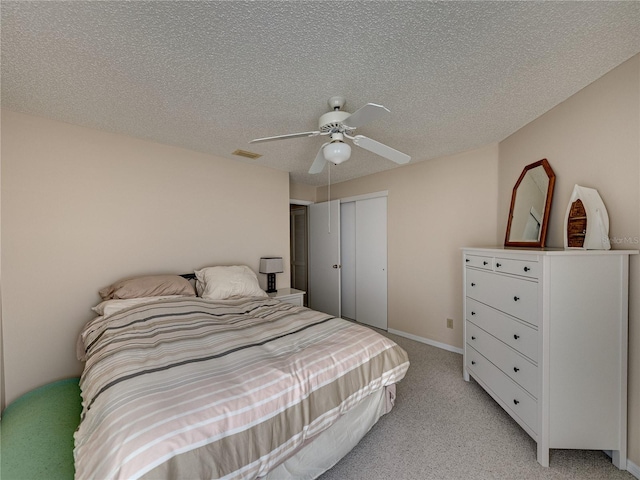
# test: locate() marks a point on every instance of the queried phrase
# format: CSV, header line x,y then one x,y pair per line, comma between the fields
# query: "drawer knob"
x,y
516,369
526,269
516,401
467,260
498,265
485,263
516,336
473,338
473,362
473,313
515,299
473,284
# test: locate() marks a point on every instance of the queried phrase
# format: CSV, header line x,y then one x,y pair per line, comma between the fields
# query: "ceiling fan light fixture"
x,y
337,152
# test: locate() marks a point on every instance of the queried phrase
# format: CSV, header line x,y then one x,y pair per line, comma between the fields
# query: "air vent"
x,y
245,153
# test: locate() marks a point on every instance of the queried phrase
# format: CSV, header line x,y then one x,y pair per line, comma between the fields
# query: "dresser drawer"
x,y
518,402
293,300
479,261
521,370
525,268
517,335
515,296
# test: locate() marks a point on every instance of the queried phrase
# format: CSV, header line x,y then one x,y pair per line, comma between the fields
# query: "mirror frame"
x,y
547,207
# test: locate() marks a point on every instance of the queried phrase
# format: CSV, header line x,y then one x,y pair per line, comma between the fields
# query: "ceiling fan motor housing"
x,y
332,122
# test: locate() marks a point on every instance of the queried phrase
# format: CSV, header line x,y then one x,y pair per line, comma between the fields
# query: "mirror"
x,y
530,206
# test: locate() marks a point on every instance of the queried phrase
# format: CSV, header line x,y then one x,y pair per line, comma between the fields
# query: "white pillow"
x,y
109,307
220,283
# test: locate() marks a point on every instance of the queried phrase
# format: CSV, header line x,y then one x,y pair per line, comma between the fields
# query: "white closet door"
x,y
348,259
371,262
324,257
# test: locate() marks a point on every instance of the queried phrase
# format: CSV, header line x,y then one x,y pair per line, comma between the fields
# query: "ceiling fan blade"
x,y
318,164
283,137
366,114
381,149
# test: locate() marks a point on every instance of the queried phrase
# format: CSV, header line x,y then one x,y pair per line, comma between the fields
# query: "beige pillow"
x,y
148,286
220,283
107,308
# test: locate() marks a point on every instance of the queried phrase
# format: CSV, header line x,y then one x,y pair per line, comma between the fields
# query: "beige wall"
x,y
434,209
592,139
298,191
82,208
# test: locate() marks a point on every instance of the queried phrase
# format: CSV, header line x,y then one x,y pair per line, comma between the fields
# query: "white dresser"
x,y
546,336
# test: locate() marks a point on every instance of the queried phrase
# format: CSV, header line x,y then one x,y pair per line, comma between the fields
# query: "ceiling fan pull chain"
x,y
329,195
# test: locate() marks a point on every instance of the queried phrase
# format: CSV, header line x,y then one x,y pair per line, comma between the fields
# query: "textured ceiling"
x,y
210,76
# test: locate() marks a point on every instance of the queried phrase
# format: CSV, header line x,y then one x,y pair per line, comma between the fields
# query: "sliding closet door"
x,y
371,262
348,259
324,257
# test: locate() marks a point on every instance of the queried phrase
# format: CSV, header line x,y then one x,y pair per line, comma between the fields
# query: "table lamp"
x,y
271,266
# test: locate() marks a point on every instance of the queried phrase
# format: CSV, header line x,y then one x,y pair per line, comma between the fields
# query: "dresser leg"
x,y
618,459
465,374
543,455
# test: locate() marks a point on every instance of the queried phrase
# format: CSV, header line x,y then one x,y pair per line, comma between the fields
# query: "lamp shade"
x,y
271,265
337,152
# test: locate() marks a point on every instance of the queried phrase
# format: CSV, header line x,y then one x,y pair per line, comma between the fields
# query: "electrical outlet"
x,y
449,322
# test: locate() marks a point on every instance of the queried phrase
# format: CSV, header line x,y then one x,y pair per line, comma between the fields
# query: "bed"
x,y
226,386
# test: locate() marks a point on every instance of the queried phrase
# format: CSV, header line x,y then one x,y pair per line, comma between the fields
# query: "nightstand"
x,y
289,295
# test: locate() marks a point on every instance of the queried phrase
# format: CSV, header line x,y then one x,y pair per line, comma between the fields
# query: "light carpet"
x,y
445,428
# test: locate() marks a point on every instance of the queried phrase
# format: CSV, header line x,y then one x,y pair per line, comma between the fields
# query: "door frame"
x,y
304,203
366,196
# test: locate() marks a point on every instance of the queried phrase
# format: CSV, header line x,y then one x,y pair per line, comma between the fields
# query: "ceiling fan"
x,y
339,125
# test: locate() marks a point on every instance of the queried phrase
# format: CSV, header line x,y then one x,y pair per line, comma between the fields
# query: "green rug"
x,y
36,433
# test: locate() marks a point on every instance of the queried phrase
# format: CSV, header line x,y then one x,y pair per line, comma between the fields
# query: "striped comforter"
x,y
190,388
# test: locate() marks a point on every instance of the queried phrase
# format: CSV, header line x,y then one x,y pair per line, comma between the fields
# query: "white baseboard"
x,y
433,343
633,469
